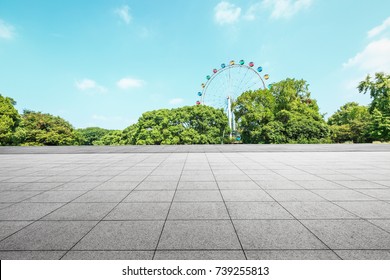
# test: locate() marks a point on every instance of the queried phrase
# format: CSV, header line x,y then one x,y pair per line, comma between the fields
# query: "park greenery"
x,y
284,113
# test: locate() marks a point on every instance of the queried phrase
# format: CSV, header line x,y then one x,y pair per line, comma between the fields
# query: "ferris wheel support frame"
x,y
230,114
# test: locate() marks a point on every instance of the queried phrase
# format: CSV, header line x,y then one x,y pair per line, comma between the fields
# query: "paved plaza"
x,y
195,202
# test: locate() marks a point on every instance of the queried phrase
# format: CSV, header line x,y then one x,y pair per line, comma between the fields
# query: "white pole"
x,y
230,115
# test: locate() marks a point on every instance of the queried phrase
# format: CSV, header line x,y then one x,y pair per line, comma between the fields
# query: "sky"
x,y
105,62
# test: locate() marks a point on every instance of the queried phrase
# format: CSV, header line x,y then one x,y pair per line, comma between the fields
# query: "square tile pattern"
x,y
196,202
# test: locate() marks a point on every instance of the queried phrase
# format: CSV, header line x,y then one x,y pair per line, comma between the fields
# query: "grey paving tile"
x,y
197,195
367,209
31,255
130,178
200,255
197,186
95,178
201,210
278,185
294,195
56,196
342,195
232,177
364,254
238,185
304,177
381,194
383,183
81,212
338,177
150,196
275,234
47,235
157,186
5,205
117,186
320,184
140,211
83,186
162,178
360,184
193,235
197,178
56,179
16,196
257,210
384,224
24,179
291,255
108,255
4,186
349,234
9,227
27,211
245,195
317,210
122,235
102,196
43,186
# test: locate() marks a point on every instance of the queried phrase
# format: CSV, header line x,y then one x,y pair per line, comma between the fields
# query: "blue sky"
x,y
105,62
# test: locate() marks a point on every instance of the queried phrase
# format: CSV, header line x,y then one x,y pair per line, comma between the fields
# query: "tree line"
x,y
284,113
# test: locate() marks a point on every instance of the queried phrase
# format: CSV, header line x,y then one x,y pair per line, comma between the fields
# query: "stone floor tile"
x,y
193,235
276,234
122,235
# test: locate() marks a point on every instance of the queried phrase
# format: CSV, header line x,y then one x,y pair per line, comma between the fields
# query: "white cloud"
x,y
253,11
374,58
87,84
127,83
123,13
226,13
176,101
285,8
6,30
379,29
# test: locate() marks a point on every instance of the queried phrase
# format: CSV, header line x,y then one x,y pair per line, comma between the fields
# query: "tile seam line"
x,y
149,156
227,209
169,209
286,209
335,202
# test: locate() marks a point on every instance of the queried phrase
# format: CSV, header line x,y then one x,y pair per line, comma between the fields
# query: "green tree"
x,y
350,123
44,129
379,89
283,114
185,125
113,138
9,121
91,134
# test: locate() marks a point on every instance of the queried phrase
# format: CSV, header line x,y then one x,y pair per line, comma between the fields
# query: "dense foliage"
x,y
40,129
9,120
350,123
185,125
379,89
87,136
283,114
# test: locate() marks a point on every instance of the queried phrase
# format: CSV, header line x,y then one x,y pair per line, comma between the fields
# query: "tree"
x,y
379,89
46,130
91,134
113,138
185,125
9,121
350,123
283,114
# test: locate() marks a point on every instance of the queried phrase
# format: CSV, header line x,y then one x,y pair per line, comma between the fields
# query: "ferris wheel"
x,y
227,83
